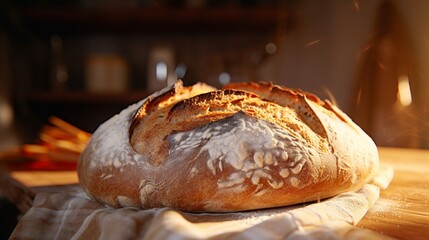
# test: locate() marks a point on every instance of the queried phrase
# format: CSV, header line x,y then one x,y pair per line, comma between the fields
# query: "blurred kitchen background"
x,y
85,60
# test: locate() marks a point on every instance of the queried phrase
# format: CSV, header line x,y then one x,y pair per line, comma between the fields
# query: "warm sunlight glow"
x,y
313,42
404,91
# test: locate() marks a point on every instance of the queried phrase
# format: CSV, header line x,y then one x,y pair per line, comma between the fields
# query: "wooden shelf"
x,y
82,97
75,20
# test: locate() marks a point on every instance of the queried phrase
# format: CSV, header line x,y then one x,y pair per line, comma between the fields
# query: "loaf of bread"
x,y
248,146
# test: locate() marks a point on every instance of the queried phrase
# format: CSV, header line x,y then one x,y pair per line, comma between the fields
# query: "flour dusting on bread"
x,y
261,159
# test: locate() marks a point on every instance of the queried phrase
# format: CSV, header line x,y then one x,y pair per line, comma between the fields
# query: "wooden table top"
x,y
403,208
401,212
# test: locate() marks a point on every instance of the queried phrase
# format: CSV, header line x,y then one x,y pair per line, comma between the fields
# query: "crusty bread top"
x,y
148,124
185,108
171,112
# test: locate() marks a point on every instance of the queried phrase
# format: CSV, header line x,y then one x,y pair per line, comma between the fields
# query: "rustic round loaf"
x,y
248,146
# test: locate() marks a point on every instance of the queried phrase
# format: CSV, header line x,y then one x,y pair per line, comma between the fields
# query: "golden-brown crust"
x,y
249,146
151,104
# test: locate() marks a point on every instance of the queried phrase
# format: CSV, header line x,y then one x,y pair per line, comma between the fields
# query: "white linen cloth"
x,y
73,215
